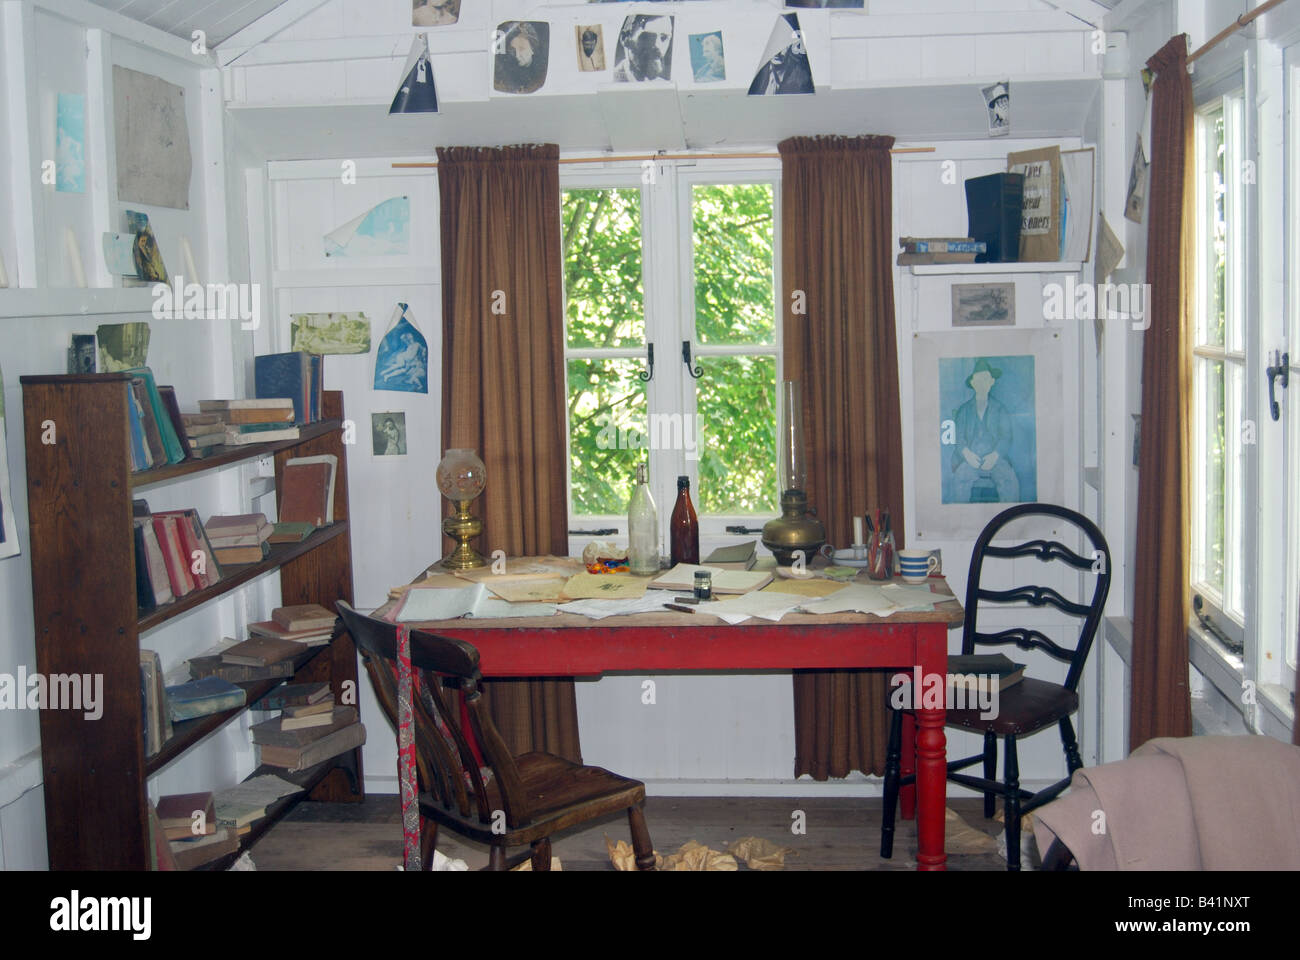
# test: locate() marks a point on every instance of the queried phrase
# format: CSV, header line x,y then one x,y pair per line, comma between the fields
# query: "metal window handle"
x,y
1213,628
648,374
695,371
1281,370
600,532
741,529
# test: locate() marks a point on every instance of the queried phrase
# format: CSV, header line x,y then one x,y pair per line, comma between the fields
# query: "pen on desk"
x,y
679,608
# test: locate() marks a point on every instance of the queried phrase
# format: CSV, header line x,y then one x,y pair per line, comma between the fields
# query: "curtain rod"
x,y
1245,20
666,156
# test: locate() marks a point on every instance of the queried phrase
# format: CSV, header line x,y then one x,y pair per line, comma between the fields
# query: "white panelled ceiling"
x,y
218,19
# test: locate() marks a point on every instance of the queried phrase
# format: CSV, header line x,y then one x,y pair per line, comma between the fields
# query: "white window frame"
x,y
669,300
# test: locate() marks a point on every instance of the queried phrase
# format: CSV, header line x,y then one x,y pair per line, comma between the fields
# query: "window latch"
x,y
741,529
1212,628
600,532
648,374
695,371
1279,371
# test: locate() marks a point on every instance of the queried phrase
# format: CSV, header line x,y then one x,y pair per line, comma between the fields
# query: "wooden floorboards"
x,y
841,834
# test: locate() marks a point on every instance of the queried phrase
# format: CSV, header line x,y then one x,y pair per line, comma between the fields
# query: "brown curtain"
x,y
503,383
836,247
1160,705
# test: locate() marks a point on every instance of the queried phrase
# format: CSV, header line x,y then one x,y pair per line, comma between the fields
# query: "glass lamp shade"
x,y
793,472
461,475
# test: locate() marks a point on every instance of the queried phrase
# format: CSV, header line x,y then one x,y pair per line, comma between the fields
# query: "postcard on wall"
x,y
81,354
522,52
644,51
8,527
123,346
330,332
417,93
708,62
1040,221
388,434
382,231
119,255
983,304
70,144
784,68
148,259
402,360
434,13
591,47
152,140
988,428
998,100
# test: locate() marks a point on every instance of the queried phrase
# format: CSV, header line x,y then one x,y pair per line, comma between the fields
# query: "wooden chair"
x,y
537,794
1030,705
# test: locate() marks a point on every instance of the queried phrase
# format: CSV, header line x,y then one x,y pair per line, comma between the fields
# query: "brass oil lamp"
x,y
795,533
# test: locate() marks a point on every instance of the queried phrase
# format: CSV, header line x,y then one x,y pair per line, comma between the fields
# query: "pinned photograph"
x,y
70,144
434,13
8,527
417,93
382,231
388,434
645,49
708,65
523,49
330,333
145,253
784,67
983,304
81,355
119,255
402,360
123,346
591,47
998,100
1135,202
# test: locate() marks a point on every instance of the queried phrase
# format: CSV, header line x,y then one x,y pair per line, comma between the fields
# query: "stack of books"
x,y
253,421
248,664
155,426
309,625
920,250
296,747
240,538
301,705
204,432
172,556
189,823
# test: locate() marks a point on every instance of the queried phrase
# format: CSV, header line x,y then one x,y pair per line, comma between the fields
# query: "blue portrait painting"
x,y
402,360
989,451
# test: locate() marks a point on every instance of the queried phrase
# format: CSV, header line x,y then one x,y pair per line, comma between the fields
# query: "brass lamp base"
x,y
793,532
463,527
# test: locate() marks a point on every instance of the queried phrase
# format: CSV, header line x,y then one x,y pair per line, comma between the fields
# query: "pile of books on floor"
x,y
310,729
297,377
920,250
198,828
155,425
252,421
172,555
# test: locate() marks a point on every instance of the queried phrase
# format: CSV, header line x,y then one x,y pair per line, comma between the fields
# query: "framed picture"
x,y
983,304
388,434
988,413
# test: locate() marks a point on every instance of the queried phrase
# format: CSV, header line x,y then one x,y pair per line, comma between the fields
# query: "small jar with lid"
x,y
703,585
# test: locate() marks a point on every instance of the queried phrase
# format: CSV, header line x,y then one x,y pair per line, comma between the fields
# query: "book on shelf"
x,y
201,698
271,630
140,458
326,706
174,453
234,437
203,565
739,556
304,721
682,579
187,816
942,245
221,527
211,665
202,424
160,852
295,376
919,259
192,854
307,490
297,758
291,532
152,434
240,555
157,716
304,616
271,733
261,652
249,412
993,208
174,554
294,695
173,409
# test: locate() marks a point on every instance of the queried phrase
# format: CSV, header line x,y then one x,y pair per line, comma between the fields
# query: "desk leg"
x,y
931,753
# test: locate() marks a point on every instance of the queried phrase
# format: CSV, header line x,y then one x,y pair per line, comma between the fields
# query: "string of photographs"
x,y
642,53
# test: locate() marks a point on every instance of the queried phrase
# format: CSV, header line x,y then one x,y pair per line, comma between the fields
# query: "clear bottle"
x,y
642,528
684,527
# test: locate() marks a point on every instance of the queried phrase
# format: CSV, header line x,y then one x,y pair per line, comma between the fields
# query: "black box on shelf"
x,y
993,211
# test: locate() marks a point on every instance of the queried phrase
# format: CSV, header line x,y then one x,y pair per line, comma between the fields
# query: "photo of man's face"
x,y
588,43
649,48
522,50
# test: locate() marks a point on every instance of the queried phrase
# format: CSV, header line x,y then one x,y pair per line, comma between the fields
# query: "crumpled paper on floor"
x,y
527,865
960,837
760,854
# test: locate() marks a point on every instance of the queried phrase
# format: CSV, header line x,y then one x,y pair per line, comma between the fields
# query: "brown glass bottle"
x,y
684,527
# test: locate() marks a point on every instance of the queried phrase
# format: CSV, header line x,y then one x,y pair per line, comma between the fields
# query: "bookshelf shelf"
x,y
79,493
941,269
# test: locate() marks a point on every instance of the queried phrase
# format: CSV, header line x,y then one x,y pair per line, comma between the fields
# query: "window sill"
x,y
1221,669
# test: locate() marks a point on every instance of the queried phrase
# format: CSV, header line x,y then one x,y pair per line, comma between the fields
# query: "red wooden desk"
x,y
569,645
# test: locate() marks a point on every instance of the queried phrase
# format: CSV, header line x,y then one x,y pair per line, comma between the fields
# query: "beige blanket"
x,y
1195,803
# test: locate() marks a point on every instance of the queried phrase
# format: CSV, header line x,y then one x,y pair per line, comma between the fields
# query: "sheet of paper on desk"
x,y
757,603
905,597
605,586
859,597
529,591
472,600
804,588
600,609
523,568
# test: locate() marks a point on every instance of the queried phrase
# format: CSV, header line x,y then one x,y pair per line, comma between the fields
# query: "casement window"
x,y
672,341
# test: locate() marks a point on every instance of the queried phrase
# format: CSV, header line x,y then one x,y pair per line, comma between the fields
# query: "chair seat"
x,y
1022,708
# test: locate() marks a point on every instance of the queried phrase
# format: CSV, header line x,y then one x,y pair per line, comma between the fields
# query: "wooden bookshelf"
x,y
79,492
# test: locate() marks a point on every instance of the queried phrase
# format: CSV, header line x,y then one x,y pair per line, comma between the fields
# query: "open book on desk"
x,y
682,579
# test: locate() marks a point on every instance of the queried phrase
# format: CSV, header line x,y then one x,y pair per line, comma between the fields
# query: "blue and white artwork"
x,y
382,231
988,434
708,62
402,360
70,144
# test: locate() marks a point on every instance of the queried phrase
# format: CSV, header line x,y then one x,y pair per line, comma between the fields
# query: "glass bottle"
x,y
684,527
642,528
